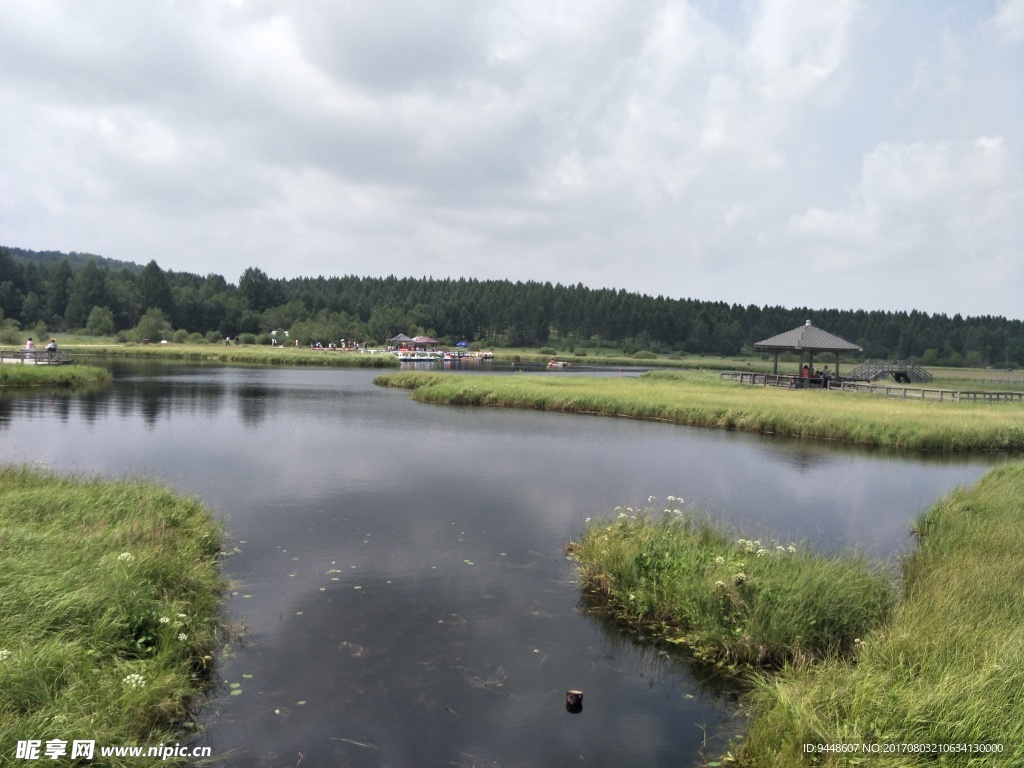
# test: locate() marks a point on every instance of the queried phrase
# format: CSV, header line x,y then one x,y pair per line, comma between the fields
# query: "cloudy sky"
x,y
787,152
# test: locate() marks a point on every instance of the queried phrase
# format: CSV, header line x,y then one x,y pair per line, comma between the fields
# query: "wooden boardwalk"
x,y
790,381
35,357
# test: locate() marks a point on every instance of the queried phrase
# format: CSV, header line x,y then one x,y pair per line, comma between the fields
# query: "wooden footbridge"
x,y
35,357
845,384
903,371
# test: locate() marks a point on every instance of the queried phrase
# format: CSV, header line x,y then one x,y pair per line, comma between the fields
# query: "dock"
x,y
35,357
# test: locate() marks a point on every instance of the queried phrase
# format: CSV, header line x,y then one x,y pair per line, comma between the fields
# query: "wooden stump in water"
x,y
574,701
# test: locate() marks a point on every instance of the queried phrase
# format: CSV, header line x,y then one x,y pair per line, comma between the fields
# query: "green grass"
x,y
731,601
702,399
17,375
101,581
947,669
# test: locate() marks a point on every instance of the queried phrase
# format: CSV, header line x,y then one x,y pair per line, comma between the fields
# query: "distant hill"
x,y
75,260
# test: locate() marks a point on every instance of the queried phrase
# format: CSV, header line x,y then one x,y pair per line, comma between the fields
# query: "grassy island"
x,y
936,660
701,399
110,593
63,376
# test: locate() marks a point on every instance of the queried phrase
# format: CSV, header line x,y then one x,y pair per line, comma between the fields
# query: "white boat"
x,y
414,356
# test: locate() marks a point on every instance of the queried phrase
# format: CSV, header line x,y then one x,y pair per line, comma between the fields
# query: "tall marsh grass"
x,y
947,670
729,600
110,593
62,376
701,399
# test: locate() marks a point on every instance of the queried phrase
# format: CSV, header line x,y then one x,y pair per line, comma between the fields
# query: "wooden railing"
x,y
889,390
34,356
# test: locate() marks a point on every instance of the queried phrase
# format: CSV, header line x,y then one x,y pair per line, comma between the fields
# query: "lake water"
x,y
399,568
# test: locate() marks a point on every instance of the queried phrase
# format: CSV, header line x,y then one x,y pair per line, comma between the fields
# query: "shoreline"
x,y
700,399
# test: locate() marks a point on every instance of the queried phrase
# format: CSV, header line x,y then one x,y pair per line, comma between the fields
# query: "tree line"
x,y
52,292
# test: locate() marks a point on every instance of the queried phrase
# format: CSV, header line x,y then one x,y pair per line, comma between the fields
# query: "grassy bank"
x,y
110,592
948,669
16,375
250,355
701,399
729,600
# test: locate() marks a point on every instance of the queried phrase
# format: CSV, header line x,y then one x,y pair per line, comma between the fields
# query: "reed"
x,y
701,399
730,601
63,376
110,595
947,670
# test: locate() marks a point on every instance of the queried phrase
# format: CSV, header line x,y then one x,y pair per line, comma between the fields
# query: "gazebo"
x,y
807,338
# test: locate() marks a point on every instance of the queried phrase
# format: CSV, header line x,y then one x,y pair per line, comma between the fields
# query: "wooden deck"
x,y
792,381
35,357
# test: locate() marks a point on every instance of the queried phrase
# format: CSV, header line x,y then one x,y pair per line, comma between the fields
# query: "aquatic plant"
x,y
731,601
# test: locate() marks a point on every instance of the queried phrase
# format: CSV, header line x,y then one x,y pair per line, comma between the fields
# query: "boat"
x,y
417,356
553,363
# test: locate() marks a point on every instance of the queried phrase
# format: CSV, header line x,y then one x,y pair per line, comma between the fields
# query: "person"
x,y
29,344
52,346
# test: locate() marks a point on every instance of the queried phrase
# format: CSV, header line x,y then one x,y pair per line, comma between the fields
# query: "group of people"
x,y
819,376
51,347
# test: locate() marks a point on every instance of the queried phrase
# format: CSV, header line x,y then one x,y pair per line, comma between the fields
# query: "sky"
x,y
840,154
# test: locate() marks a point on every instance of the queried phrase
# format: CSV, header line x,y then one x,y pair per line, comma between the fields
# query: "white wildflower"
x,y
135,680
720,584
762,552
165,620
4,654
182,637
720,560
126,557
740,577
791,549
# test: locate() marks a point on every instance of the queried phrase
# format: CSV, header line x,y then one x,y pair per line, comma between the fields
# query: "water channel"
x,y
399,567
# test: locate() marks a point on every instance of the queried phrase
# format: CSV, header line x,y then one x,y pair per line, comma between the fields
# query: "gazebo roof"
x,y
807,337
400,337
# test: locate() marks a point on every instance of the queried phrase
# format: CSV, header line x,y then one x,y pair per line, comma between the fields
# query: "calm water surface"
x,y
399,567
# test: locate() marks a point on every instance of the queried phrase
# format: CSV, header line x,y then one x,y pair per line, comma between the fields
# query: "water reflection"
x,y
399,567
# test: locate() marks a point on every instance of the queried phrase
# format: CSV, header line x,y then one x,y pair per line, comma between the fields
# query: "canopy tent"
x,y
424,340
462,344
807,338
400,338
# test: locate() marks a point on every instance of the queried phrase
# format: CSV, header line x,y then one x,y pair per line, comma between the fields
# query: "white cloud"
x,y
946,209
658,145
1009,19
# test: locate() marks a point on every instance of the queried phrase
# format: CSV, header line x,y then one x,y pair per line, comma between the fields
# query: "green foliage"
x,y
153,326
100,322
35,287
111,592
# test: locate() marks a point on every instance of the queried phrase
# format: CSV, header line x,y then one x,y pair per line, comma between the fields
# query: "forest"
x,y
52,292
